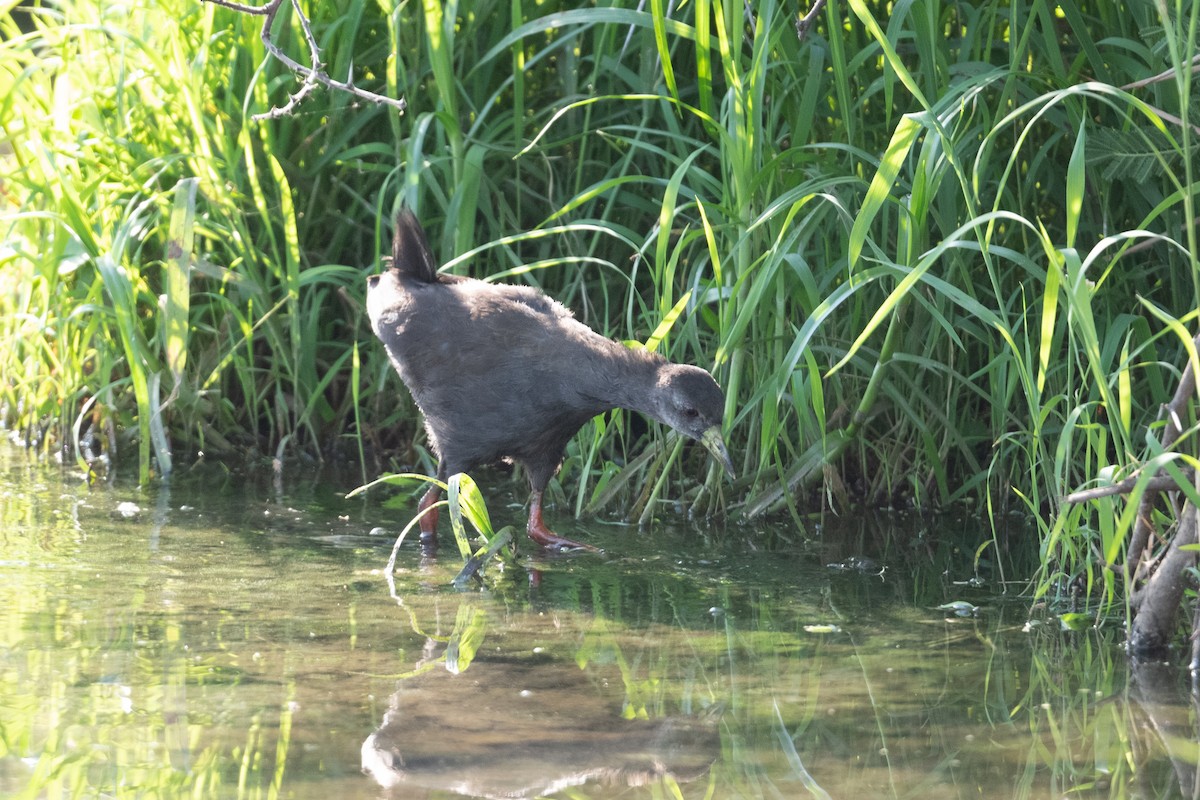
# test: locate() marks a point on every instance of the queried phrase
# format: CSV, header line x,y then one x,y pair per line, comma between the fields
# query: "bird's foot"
x,y
555,543
428,513
548,538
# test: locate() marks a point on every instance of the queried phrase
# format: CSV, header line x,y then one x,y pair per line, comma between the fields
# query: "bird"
x,y
503,372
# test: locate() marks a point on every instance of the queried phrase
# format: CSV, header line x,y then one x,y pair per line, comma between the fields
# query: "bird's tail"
x,y
410,249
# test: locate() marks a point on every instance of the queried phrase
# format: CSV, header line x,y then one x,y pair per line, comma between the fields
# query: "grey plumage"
x,y
505,372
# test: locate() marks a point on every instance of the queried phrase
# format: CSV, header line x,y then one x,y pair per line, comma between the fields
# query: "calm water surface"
x,y
231,638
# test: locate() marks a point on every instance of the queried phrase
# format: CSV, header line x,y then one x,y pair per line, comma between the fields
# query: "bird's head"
x,y
689,400
383,295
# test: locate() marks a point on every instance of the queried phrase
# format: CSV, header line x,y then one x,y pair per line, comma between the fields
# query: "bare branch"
x,y
1161,483
253,11
1175,412
1171,118
805,23
1156,604
313,73
1162,76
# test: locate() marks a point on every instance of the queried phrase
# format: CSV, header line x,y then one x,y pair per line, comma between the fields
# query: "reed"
x,y
930,251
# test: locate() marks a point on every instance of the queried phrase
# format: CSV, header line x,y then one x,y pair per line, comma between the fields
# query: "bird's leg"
x,y
429,518
546,537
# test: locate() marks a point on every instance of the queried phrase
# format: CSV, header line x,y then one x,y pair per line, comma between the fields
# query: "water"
x,y
231,638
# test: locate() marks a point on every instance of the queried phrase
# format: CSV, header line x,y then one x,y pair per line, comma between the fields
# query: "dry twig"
x,y
1159,483
1174,413
803,24
312,74
1162,76
1158,570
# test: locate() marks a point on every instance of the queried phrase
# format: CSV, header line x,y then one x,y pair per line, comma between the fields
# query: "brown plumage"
x,y
505,372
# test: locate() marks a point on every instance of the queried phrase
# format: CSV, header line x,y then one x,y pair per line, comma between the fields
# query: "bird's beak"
x,y
713,443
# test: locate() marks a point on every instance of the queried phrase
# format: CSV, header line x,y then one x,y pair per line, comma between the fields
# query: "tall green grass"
x,y
932,251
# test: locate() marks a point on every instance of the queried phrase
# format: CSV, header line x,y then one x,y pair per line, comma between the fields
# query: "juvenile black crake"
x,y
505,372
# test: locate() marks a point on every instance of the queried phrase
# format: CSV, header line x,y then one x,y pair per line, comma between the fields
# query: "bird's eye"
x,y
691,413
372,280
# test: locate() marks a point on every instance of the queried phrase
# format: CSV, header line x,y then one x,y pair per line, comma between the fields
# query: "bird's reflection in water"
x,y
528,726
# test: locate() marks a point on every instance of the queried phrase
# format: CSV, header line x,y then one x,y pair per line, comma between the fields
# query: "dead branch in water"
x,y
1157,584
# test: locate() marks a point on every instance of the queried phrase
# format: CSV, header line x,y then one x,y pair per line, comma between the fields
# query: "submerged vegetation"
x,y
935,252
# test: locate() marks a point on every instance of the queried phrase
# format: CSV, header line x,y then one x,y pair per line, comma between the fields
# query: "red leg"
x,y
430,517
546,537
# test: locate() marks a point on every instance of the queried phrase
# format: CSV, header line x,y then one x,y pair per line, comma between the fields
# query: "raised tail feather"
x,y
410,249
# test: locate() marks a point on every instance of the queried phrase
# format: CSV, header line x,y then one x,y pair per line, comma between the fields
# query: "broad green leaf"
x,y
668,322
1076,180
881,185
178,293
1050,296
658,11
470,627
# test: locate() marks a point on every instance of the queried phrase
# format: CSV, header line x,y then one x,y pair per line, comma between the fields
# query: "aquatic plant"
x,y
932,251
